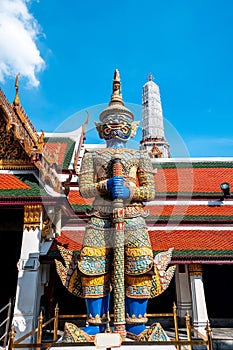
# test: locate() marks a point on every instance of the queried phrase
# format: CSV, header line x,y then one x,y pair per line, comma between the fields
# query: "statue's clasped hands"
x,y
117,189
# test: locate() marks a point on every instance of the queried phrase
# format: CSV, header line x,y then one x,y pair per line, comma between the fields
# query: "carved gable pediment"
x,y
12,154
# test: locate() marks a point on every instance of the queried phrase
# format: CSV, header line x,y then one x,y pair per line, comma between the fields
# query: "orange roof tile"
x,y
199,180
191,210
180,180
192,239
10,182
71,240
53,147
161,240
75,197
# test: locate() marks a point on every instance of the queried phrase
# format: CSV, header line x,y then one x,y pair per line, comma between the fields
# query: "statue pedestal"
x,y
123,347
105,341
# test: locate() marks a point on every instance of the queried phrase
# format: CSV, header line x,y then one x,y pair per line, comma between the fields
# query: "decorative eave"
x,y
46,201
18,201
179,261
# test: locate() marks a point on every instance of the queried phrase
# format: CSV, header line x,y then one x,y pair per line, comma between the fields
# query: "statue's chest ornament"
x,y
104,163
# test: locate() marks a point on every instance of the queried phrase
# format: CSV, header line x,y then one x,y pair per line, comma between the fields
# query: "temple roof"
x,y
195,243
186,213
190,244
64,146
22,147
25,185
188,180
11,182
190,212
192,238
196,178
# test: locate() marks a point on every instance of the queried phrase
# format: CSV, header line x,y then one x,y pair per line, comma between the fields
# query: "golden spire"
x,y
16,101
116,96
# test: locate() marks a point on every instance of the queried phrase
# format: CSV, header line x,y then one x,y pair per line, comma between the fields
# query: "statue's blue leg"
x,y
135,314
136,322
97,311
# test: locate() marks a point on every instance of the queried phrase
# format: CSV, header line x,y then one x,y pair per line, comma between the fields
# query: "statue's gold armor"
x,y
96,258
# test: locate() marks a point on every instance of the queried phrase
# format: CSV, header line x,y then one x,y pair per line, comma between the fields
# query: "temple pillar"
x,y
183,293
200,316
58,223
28,286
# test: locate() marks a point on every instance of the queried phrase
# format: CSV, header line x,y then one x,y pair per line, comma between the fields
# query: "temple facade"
x,y
41,208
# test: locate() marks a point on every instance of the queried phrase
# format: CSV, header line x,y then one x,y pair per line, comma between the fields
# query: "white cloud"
x,y
19,31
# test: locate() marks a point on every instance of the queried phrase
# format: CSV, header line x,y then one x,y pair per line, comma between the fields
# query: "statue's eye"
x,y
125,129
107,131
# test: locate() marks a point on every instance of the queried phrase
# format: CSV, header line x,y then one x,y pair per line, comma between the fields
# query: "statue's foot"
x,y
74,334
154,333
135,328
93,330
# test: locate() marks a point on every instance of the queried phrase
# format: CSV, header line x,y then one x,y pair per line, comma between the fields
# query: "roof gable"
x,y
62,149
12,154
25,144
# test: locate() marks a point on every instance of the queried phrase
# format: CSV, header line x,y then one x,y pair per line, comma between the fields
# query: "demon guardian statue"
x,y
116,254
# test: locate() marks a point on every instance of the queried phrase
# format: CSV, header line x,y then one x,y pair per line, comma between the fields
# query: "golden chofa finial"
x,y
116,96
86,122
16,101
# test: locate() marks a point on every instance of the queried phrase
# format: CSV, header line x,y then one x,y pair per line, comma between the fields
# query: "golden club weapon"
x,y
118,259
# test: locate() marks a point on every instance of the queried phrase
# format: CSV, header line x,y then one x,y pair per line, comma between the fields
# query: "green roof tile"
x,y
190,218
204,164
200,253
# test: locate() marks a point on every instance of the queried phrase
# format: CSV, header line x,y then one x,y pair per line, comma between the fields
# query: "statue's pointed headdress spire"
x,y
116,107
116,96
16,101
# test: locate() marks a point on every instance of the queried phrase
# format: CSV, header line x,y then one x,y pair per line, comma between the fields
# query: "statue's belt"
x,y
129,212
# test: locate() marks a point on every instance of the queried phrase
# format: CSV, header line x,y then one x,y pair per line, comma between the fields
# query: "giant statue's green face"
x,y
117,130
116,127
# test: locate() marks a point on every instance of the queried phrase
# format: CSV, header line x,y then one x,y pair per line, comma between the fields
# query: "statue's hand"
x,y
116,188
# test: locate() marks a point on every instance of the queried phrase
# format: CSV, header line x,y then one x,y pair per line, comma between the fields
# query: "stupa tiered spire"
x,y
153,138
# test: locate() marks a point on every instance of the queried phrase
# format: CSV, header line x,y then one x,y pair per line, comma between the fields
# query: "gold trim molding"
x,y
195,270
32,217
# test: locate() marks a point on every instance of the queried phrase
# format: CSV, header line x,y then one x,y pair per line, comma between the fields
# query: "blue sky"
x,y
66,53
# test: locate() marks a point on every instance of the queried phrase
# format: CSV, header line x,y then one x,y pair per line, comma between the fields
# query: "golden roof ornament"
x,y
16,101
86,122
